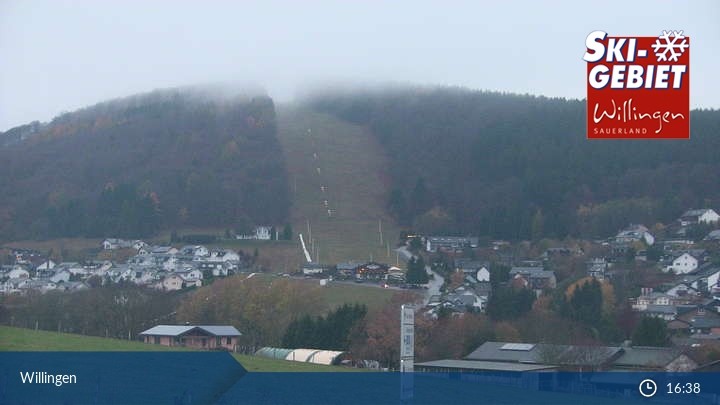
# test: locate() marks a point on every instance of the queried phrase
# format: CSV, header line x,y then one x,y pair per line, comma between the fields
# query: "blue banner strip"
x,y
217,378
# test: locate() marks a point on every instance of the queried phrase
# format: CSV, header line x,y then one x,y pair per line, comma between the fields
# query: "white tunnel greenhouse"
x,y
326,357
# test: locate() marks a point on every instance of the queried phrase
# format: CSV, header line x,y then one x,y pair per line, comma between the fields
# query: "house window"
x,y
218,341
204,342
228,340
156,340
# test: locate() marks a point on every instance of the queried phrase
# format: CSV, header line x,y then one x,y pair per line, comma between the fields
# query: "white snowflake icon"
x,y
672,42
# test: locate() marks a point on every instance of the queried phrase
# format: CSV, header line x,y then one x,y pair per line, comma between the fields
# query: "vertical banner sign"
x,y
407,337
638,87
407,351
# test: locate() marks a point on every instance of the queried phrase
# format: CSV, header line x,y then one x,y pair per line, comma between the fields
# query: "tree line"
x,y
519,167
129,167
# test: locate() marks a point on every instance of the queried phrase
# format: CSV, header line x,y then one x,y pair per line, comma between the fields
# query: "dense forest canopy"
x,y
520,167
130,167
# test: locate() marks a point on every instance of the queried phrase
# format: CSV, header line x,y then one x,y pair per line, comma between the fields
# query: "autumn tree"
x,y
259,308
379,337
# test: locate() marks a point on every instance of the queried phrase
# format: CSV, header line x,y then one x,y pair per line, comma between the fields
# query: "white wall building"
x,y
683,264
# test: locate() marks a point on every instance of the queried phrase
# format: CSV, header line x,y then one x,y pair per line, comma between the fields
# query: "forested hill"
x,y
133,166
512,166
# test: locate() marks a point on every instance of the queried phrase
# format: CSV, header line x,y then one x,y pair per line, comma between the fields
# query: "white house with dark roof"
x,y
683,264
635,233
682,290
699,216
17,272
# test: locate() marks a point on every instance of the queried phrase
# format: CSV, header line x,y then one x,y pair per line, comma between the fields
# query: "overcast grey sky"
x,y
61,55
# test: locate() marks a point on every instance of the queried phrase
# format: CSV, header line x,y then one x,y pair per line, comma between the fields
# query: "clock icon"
x,y
647,388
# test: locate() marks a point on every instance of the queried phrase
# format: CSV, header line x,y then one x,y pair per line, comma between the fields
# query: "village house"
x,y
371,271
164,250
217,269
347,269
463,299
223,255
659,359
713,235
682,290
39,285
172,282
635,233
395,275
313,269
664,312
696,320
534,278
596,267
13,285
683,263
114,244
46,264
699,216
60,276
478,270
27,256
650,301
704,279
15,271
209,337
449,243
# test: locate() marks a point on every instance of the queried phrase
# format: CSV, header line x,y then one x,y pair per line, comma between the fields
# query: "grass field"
x,y
336,294
17,339
353,169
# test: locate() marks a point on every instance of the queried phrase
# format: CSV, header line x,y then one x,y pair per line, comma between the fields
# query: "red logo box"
x,y
638,87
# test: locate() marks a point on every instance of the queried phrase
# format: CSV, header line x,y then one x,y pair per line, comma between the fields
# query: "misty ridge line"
x,y
231,92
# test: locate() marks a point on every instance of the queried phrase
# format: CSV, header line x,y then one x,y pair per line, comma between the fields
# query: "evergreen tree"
x,y
330,332
585,305
415,244
416,273
651,331
287,232
507,303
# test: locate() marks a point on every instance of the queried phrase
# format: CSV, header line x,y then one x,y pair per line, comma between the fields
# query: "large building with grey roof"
x,y
209,337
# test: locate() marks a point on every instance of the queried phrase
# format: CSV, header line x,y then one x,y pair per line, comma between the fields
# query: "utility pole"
x,y
309,232
380,231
